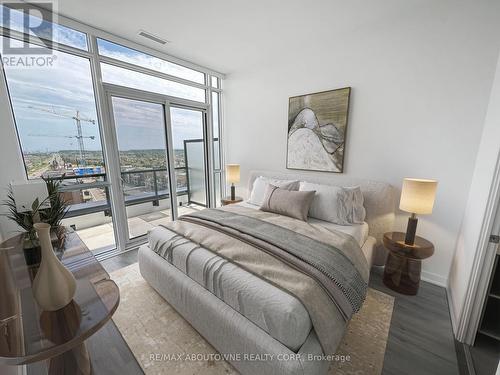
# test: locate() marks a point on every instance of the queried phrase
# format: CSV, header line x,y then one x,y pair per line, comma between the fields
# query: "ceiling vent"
x,y
152,37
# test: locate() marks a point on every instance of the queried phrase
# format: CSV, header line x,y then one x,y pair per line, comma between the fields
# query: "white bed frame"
x,y
230,332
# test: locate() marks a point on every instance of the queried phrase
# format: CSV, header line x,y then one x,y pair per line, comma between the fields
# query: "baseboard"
x,y
469,360
453,317
434,278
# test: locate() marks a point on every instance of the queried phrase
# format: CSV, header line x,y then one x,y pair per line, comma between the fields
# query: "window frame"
x,y
93,33
92,54
100,97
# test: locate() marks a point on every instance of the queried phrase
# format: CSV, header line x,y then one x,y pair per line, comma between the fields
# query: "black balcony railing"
x,y
142,190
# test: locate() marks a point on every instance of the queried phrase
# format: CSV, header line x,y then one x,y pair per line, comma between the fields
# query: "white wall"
x,y
420,87
474,217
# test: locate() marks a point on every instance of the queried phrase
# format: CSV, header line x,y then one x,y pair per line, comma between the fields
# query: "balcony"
x,y
147,202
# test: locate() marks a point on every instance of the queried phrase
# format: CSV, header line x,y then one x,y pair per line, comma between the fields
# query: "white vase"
x,y
54,285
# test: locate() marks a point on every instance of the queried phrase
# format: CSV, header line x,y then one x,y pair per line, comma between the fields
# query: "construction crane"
x,y
79,136
61,136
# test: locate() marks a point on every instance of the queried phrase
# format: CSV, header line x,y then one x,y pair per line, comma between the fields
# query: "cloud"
x,y
124,77
67,87
140,125
45,29
129,55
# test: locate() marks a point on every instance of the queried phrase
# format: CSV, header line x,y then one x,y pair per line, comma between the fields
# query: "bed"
x,y
262,324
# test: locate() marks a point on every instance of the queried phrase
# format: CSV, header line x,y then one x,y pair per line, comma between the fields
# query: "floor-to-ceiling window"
x,y
125,161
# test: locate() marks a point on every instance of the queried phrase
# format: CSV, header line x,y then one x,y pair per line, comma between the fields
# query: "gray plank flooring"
x,y
108,351
420,337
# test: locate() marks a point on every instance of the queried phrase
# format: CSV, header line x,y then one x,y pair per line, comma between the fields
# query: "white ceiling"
x,y
233,35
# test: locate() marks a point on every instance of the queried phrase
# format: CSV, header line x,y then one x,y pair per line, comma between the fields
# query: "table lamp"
x,y
417,197
233,177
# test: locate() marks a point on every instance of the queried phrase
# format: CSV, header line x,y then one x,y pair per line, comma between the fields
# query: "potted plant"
x,y
52,215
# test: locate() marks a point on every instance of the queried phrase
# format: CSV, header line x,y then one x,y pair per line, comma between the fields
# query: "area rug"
x,y
152,328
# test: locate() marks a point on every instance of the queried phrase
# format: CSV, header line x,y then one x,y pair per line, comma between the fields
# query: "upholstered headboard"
x,y
380,197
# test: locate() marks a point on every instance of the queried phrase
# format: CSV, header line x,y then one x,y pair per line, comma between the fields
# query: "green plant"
x,y
52,215
58,206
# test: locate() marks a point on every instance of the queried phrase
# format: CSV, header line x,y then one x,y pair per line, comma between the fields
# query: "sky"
x,y
139,125
67,87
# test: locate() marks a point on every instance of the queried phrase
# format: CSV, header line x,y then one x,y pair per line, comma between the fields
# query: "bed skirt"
x,y
248,348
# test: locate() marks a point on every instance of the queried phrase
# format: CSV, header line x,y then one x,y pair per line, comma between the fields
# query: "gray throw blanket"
x,y
329,266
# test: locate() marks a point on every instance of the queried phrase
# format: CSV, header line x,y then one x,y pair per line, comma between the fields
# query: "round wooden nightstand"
x,y
227,200
404,262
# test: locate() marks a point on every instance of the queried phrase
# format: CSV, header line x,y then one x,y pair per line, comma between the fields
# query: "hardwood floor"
x,y
109,353
420,338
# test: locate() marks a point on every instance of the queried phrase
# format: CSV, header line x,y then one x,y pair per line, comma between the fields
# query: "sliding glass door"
x,y
158,159
141,140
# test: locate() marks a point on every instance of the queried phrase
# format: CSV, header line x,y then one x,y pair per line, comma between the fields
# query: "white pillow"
x,y
260,184
335,204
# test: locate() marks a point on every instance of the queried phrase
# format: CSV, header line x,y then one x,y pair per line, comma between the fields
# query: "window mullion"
x,y
109,146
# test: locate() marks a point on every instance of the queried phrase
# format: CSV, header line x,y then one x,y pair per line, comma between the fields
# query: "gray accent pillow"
x,y
289,203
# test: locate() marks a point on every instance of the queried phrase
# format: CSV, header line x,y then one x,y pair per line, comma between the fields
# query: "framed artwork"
x,y
317,126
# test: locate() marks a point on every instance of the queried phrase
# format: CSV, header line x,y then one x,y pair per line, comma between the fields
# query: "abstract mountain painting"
x,y
317,125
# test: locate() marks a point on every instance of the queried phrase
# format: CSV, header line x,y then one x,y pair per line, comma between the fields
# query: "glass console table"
x,y
56,342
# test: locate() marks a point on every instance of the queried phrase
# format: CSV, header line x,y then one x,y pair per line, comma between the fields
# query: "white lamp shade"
x,y
417,195
233,173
